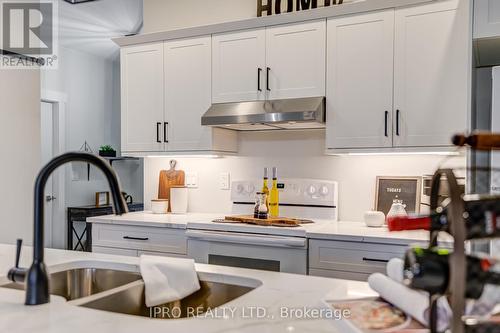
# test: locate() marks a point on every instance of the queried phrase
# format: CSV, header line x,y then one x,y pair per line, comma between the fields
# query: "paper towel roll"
x,y
412,302
395,269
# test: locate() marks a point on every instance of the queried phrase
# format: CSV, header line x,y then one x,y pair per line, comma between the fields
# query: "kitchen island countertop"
x,y
277,291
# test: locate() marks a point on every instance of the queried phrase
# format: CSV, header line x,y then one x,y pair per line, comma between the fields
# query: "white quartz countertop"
x,y
148,219
275,292
321,229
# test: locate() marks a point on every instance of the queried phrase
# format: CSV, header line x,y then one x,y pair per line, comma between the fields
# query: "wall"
x,y
161,15
297,154
19,151
91,85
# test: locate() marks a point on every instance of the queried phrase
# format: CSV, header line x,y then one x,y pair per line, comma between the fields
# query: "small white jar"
x,y
159,206
374,219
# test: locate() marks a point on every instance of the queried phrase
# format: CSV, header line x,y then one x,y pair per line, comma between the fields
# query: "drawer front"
x,y
339,274
140,238
352,256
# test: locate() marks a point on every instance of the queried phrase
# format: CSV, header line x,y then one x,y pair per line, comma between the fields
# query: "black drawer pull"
x,y
375,260
136,238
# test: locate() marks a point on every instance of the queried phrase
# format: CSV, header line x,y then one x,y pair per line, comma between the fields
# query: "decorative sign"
x,y
267,6
406,189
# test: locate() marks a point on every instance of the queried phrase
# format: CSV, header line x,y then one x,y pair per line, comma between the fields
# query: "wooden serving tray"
x,y
271,221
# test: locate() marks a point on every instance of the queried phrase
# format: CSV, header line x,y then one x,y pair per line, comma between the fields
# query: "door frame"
x,y
58,101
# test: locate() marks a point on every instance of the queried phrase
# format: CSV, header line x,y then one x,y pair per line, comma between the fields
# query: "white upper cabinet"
x,y
360,81
239,62
187,93
432,67
286,61
166,88
296,57
142,98
486,18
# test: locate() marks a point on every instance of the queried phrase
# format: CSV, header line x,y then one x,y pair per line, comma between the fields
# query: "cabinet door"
x,y
238,65
486,18
432,71
142,98
187,93
360,81
295,56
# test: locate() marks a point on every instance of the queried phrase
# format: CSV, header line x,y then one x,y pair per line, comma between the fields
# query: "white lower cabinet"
x,y
350,260
134,241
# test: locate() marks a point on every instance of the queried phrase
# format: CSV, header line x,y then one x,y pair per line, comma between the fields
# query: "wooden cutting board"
x,y
269,221
168,179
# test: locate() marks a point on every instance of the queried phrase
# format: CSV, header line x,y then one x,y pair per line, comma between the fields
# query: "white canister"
x,y
159,206
178,200
374,219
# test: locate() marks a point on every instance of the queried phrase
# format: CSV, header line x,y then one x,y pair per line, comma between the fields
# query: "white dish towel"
x,y
167,279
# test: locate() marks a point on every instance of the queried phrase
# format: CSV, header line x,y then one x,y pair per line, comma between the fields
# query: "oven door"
x,y
265,252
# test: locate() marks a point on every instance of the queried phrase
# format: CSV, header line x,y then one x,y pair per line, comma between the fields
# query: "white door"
x,y
431,74
142,98
486,18
239,60
187,93
360,81
295,56
47,146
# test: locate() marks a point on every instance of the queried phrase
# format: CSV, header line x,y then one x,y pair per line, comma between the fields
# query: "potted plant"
x,y
107,151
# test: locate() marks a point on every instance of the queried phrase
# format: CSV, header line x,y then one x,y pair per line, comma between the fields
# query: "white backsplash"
x,y
297,154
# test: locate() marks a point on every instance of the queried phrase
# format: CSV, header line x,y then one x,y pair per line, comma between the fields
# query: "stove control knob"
x,y
311,190
240,188
323,191
250,188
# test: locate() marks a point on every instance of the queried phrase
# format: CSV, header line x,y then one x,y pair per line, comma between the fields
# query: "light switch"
x,y
192,179
224,181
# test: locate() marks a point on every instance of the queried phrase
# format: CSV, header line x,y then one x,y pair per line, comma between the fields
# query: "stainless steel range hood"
x,y
298,113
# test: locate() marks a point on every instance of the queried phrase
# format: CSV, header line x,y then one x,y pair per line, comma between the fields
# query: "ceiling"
x,y
89,26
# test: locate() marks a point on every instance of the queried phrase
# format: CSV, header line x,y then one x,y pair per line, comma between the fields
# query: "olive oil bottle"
x,y
265,188
274,210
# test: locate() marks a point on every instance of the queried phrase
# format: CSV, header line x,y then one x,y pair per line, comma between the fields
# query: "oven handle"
x,y
225,237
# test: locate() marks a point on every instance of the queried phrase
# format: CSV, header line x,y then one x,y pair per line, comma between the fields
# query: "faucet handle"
x,y
19,245
17,274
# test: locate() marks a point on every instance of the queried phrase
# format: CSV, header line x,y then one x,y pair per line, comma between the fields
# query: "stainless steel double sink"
x,y
123,292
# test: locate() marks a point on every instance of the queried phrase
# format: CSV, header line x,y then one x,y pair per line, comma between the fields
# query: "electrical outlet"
x,y
192,179
224,180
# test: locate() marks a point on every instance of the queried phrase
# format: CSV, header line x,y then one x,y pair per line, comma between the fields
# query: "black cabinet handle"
x,y
258,79
158,132
136,238
375,260
386,119
165,131
397,122
268,70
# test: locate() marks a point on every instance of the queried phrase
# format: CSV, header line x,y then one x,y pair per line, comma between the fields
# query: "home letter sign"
x,y
266,6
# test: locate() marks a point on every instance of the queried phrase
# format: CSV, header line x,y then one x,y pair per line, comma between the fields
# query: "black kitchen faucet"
x,y
36,278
